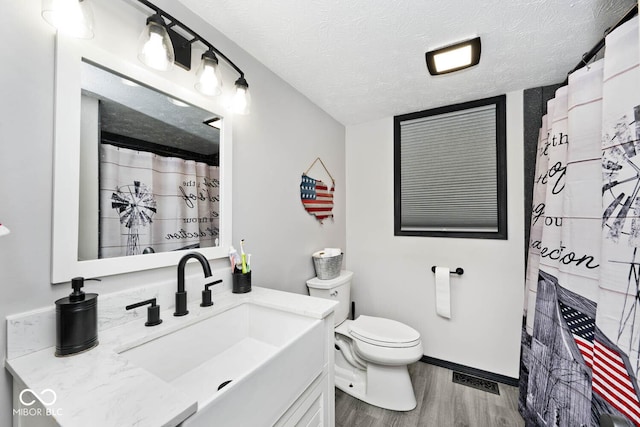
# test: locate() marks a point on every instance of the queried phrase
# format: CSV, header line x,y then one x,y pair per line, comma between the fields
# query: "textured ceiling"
x,y
361,60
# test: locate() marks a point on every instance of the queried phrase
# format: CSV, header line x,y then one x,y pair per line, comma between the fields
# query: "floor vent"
x,y
475,382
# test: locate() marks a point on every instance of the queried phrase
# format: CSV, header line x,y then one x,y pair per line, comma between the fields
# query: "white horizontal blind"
x,y
449,172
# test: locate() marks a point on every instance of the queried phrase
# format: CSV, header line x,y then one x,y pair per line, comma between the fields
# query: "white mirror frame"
x,y
66,165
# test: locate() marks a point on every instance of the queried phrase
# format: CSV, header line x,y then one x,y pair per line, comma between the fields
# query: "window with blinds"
x,y
450,171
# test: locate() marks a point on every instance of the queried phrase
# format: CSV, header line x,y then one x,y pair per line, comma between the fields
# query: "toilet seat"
x,y
387,353
383,332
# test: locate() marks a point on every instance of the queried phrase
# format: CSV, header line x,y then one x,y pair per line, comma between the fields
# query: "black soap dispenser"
x,y
76,320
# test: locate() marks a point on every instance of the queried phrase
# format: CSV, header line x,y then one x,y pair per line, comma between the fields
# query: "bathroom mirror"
x,y
142,168
152,160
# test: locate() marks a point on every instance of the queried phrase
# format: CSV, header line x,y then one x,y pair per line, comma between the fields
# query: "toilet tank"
x,y
338,289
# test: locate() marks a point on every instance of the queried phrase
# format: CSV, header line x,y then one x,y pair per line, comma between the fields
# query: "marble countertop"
x,y
101,388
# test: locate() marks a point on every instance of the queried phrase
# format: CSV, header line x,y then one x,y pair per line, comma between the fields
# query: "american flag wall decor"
x,y
316,197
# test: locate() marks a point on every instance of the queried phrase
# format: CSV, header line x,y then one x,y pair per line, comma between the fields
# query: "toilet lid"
x,y
386,332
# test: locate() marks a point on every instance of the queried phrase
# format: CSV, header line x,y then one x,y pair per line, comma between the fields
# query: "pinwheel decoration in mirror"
x,y
136,206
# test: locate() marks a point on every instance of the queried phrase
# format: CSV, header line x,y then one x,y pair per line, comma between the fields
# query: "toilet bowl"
x,y
371,353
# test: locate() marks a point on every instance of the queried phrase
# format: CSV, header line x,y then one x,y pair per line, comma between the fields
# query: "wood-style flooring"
x,y
441,403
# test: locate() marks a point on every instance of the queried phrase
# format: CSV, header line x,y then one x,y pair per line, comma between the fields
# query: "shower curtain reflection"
x,y
151,203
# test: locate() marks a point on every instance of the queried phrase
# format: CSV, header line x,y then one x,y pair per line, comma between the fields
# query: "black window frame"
x,y
501,169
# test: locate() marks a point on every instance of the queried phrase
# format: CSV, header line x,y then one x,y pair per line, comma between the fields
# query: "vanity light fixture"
x,y
208,75
242,99
154,45
454,57
71,17
171,47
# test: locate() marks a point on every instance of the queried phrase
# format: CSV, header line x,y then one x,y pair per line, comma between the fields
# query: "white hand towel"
x,y
443,297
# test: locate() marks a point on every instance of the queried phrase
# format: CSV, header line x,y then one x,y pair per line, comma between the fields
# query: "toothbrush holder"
x,y
241,283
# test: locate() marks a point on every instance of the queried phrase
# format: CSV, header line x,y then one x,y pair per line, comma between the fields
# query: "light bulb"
x,y
155,53
241,100
70,17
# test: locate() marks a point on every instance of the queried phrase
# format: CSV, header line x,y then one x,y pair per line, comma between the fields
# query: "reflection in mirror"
x,y
149,170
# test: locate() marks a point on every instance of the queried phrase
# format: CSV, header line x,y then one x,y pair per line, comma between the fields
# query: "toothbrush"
x,y
244,257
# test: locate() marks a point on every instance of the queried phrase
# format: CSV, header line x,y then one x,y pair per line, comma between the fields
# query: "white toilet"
x,y
371,353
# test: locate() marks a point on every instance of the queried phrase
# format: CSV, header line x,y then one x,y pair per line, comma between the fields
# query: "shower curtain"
x,y
581,335
151,203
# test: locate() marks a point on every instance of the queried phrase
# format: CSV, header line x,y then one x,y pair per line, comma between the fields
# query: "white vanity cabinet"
x,y
316,406
291,384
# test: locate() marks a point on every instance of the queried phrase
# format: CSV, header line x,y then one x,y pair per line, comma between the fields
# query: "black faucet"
x,y
181,294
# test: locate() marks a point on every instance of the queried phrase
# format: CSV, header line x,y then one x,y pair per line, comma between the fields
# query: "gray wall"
x,y
272,147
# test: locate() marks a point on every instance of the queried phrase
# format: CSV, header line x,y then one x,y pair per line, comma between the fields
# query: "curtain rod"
x,y
598,47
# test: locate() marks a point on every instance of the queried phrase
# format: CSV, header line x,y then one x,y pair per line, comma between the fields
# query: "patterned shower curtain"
x,y
581,336
151,203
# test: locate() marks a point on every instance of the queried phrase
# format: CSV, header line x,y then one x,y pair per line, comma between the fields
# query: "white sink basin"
x,y
269,356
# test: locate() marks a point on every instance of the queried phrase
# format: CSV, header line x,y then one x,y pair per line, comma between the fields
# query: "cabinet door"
x,y
311,409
